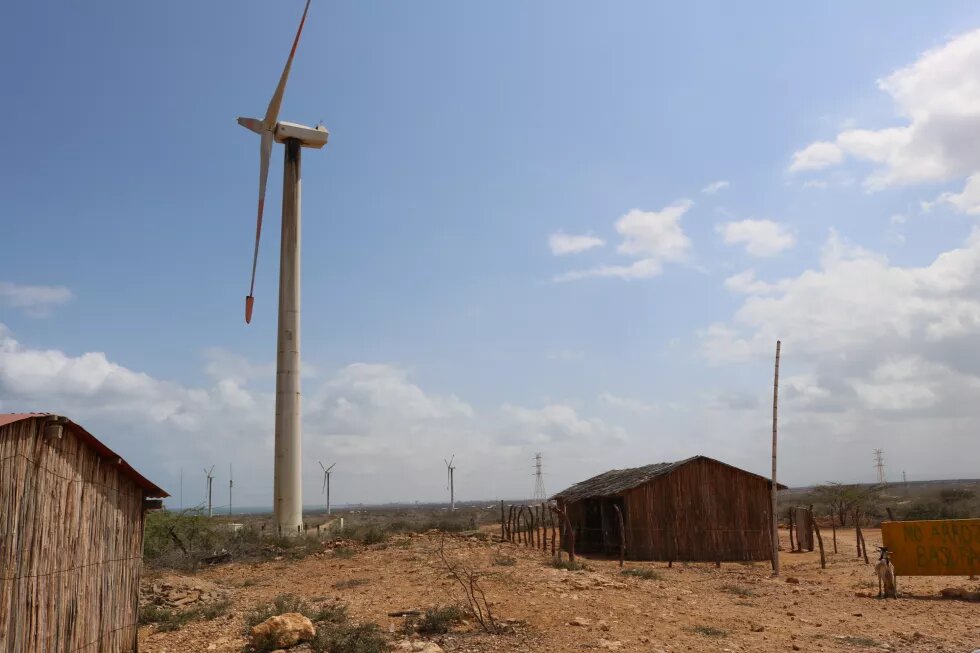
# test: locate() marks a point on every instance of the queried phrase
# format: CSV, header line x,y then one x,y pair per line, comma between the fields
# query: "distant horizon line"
x,y
316,508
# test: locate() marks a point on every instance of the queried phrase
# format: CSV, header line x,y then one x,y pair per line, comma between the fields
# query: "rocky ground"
x,y
695,607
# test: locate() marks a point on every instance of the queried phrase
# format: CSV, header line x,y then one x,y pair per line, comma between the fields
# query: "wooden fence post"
x,y
502,530
554,538
857,532
792,546
816,531
833,527
568,533
544,527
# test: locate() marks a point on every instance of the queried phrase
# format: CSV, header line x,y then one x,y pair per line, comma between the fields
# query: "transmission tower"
x,y
539,492
880,464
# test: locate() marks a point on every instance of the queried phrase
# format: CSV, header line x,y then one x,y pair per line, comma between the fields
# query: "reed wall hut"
x,y
699,509
71,539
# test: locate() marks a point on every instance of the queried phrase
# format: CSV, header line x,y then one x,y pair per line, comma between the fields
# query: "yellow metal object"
x,y
941,547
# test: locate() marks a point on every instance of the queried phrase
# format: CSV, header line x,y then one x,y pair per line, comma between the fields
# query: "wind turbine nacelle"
x,y
315,137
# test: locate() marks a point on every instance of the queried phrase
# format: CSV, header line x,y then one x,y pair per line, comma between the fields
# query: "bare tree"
x,y
469,581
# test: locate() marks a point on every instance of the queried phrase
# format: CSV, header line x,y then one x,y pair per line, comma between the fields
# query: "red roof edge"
x,y
151,489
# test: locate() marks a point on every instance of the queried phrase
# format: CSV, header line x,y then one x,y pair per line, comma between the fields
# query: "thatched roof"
x,y
617,481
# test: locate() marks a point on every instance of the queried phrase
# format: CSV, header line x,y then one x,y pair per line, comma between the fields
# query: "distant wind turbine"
x,y
449,477
210,480
326,482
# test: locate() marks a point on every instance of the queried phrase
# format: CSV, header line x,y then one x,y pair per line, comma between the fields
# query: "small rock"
x,y
796,647
282,631
430,647
858,614
792,580
757,628
603,625
579,621
612,645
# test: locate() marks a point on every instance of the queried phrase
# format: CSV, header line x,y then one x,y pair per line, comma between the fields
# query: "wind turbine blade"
x,y
321,465
251,124
272,113
265,153
331,467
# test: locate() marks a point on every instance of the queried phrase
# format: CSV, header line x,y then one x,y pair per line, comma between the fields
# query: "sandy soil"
x,y
753,612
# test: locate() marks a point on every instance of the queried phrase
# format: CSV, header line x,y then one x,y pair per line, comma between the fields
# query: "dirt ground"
x,y
694,607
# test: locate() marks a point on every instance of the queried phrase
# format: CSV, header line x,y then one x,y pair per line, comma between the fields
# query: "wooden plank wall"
x,y
702,511
71,541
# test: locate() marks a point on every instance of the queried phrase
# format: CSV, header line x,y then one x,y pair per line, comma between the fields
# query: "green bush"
x,y
345,638
185,540
435,621
330,612
167,619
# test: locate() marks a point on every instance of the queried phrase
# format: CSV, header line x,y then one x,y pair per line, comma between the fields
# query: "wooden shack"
x,y
699,509
71,539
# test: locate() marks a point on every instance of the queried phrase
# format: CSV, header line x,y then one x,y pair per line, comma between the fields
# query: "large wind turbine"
x,y
326,482
288,488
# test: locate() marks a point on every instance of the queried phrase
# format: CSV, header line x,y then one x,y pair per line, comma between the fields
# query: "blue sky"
x,y
436,317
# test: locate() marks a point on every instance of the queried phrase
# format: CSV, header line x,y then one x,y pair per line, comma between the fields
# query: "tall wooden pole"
x,y
775,517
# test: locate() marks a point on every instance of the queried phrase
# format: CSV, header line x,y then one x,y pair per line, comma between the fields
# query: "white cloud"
x,y
856,304
561,423
562,243
760,237
967,201
624,403
642,269
874,354
746,283
369,417
715,186
655,236
36,301
938,98
816,156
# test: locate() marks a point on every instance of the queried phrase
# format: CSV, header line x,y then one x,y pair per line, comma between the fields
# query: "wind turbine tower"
x,y
540,495
449,476
880,464
326,482
231,484
287,483
210,479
